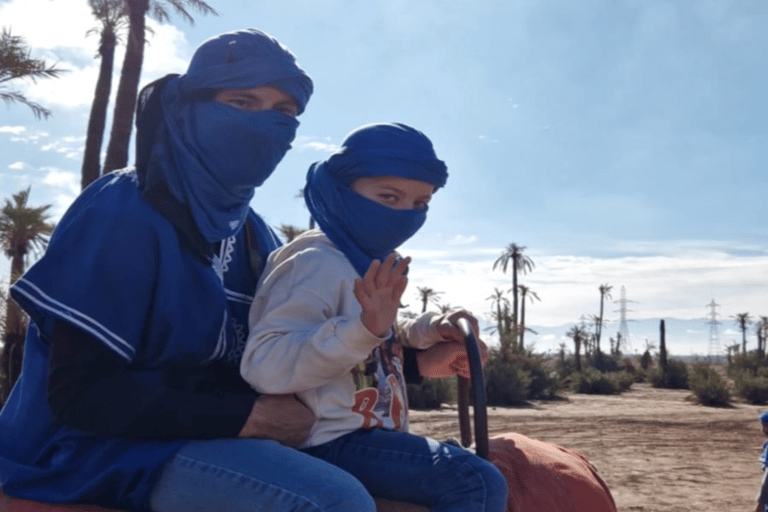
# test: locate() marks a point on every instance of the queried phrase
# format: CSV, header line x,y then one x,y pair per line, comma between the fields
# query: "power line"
x,y
714,335
625,345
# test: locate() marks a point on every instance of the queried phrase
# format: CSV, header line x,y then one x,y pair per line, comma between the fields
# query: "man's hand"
x,y
282,418
450,356
379,293
443,360
448,329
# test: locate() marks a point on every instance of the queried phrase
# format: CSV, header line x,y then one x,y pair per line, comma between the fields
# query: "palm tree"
x,y
605,293
761,329
289,232
524,292
577,334
520,264
128,88
427,294
24,231
743,320
16,63
111,15
497,302
597,322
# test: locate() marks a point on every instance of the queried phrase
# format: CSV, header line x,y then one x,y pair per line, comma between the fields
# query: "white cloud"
x,y
67,181
663,286
16,166
60,37
63,26
69,147
13,129
31,138
312,144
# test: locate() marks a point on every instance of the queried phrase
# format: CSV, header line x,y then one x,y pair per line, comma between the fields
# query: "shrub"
x,y
675,378
431,393
592,382
544,382
708,386
646,360
604,363
752,389
506,382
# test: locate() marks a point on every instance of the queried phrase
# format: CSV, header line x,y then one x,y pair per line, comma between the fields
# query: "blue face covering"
x,y
362,229
212,156
219,155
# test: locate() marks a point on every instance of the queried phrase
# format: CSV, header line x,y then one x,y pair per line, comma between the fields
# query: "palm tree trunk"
x,y
522,324
599,332
13,337
577,353
98,118
14,320
514,301
128,88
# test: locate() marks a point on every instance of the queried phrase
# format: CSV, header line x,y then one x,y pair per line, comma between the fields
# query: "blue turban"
x,y
764,417
244,59
362,229
211,156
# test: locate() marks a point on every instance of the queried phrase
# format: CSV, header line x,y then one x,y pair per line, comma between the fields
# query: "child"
x,y
322,332
762,496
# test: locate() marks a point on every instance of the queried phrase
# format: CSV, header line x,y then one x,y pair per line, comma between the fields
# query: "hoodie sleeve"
x,y
305,327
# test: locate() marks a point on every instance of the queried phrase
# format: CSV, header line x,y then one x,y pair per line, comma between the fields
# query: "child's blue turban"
x,y
363,229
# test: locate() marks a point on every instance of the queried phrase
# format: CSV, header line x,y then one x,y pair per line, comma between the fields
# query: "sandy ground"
x,y
657,450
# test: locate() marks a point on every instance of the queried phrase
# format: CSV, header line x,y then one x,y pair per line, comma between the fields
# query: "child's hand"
x,y
379,293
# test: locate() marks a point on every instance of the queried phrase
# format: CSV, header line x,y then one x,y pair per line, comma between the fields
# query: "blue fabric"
x,y
212,156
247,58
764,455
404,467
363,229
764,417
245,475
116,268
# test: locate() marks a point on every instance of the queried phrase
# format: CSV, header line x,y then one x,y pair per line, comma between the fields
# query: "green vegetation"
x,y
431,393
708,386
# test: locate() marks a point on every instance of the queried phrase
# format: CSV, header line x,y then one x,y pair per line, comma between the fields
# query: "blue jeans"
x,y
404,467
244,475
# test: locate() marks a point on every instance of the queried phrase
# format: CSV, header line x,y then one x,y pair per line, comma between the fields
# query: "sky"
x,y
621,142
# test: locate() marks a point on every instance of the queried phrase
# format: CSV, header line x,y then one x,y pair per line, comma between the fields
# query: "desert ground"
x,y
657,450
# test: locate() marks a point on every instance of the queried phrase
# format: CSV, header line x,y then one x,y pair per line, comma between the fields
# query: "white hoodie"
x,y
306,337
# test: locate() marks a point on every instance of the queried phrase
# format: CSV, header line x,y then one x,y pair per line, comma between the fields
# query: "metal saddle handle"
x,y
477,382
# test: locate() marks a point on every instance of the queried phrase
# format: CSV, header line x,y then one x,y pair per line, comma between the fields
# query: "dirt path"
x,y
657,450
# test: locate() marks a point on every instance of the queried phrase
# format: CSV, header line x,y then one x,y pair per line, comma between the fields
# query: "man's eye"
x,y
420,205
289,111
388,198
238,103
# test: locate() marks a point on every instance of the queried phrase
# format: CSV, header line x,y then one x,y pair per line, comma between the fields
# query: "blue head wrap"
x,y
764,417
362,229
212,156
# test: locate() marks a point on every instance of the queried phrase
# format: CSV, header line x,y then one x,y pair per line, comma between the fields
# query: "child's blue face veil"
x,y
212,156
362,229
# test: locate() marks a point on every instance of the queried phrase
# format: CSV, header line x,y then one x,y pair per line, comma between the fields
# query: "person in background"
x,y
762,495
130,395
321,326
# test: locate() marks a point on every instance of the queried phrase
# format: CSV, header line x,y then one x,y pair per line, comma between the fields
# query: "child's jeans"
x,y
419,470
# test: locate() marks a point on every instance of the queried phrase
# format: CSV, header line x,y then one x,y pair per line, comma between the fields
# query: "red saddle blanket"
x,y
542,477
545,477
